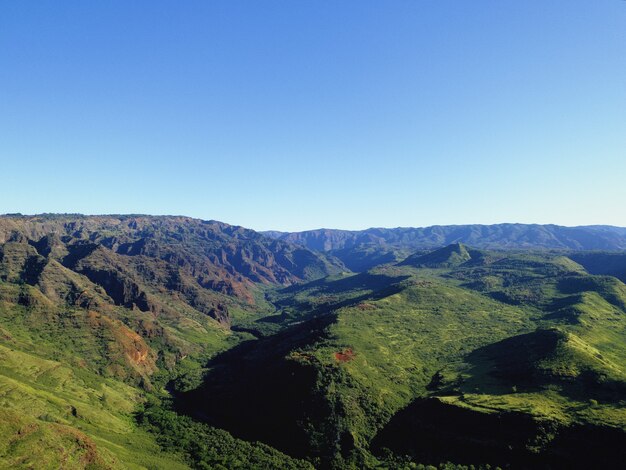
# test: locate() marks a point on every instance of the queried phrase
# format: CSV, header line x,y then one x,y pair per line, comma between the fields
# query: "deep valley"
x,y
169,342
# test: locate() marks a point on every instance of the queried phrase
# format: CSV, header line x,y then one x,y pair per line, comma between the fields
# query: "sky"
x,y
294,115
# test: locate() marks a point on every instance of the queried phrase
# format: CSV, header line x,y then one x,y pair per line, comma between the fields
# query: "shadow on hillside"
x,y
431,432
358,281
256,392
334,295
529,363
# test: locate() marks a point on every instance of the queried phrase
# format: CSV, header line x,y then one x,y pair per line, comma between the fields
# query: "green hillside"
x,y
367,346
447,257
135,342
97,315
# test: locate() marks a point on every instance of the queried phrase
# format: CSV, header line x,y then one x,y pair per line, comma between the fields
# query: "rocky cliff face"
x,y
219,257
128,282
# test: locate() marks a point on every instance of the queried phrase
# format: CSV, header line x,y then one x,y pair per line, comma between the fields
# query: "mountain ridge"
x,y
433,236
363,249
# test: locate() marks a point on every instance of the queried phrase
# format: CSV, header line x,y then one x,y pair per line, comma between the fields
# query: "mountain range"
x,y
363,249
133,341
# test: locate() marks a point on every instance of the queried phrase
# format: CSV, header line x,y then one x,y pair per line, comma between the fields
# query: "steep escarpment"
x,y
221,257
152,286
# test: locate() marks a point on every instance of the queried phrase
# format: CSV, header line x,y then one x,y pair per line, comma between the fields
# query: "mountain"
x,y
169,343
97,312
168,271
363,249
446,257
219,257
506,359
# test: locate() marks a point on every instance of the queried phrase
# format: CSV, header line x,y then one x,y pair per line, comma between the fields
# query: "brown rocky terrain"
x,y
131,284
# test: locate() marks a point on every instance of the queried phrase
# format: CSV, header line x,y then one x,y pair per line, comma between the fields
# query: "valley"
x,y
170,342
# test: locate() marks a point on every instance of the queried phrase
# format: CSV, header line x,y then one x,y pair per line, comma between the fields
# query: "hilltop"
x,y
446,257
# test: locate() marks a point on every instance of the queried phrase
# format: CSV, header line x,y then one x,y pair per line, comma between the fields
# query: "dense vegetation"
x,y
158,342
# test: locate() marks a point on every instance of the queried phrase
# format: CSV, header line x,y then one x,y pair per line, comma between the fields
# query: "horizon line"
x,y
130,214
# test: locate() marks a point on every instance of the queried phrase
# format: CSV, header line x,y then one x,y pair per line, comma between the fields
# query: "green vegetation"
x,y
206,447
138,342
54,416
361,348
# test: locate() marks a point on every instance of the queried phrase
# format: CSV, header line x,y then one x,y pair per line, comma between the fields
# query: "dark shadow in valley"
x,y
258,392
334,295
513,366
431,431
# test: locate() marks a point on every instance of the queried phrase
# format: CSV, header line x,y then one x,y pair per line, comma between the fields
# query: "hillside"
x,y
169,342
529,338
446,257
223,258
98,312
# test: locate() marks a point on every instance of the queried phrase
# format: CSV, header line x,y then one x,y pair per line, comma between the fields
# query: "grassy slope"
x,y
396,344
58,417
395,334
379,339
65,404
569,374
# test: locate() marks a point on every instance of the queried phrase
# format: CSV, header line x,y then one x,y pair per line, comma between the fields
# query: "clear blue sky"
x,y
294,115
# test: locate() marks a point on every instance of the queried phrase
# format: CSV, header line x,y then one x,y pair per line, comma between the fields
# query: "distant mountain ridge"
x,y
588,237
362,249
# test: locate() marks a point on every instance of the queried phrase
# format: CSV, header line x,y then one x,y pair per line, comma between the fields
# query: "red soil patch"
x,y
345,356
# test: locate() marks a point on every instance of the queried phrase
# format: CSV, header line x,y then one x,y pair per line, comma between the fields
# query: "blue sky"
x,y
295,115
